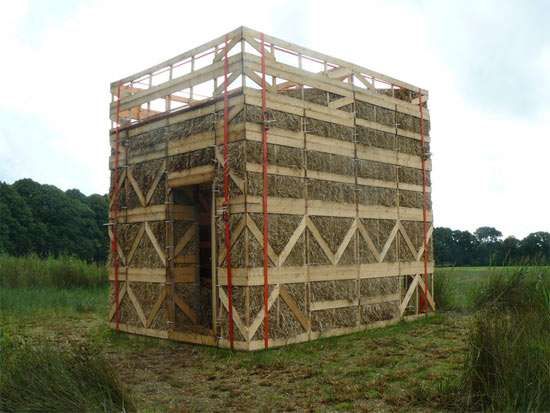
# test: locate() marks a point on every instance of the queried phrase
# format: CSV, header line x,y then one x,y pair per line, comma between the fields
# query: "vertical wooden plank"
x,y
356,238
213,260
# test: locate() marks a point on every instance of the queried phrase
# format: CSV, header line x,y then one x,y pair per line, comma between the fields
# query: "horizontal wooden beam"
x,y
301,274
154,275
192,176
152,213
294,206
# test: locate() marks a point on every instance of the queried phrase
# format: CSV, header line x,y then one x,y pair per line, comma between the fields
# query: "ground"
x,y
405,367
388,369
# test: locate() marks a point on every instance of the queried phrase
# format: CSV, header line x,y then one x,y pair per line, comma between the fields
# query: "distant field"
x,y
464,280
403,367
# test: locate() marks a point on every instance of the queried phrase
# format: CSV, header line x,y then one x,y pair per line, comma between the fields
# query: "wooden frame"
x,y
186,90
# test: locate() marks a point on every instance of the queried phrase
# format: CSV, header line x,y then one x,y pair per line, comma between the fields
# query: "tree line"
x,y
486,246
44,220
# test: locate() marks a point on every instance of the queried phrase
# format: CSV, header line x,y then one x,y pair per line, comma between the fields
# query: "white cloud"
x,y
488,169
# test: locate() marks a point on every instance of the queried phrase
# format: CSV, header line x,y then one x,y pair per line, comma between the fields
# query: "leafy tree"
x,y
63,222
16,222
535,248
509,251
489,245
488,234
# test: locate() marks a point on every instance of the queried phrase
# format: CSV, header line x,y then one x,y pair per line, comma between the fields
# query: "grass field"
x,y
412,366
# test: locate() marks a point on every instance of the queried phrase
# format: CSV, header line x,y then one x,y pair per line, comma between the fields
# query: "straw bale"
x,y
379,312
280,228
128,314
405,121
416,125
328,162
315,254
391,255
373,287
256,304
126,235
317,96
379,231
329,129
223,326
255,251
146,255
412,176
297,254
385,116
276,155
409,146
365,254
375,138
147,294
189,294
298,292
415,232
147,142
331,191
412,199
161,322
283,120
371,195
278,186
238,250
365,110
376,170
282,322
191,159
332,229
333,290
328,319
159,194
193,126
405,253
145,174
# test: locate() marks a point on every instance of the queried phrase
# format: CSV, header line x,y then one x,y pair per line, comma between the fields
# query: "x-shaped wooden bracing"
x,y
280,291
333,257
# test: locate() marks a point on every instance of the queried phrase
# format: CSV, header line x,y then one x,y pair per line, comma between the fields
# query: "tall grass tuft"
x,y
46,378
445,292
508,360
62,272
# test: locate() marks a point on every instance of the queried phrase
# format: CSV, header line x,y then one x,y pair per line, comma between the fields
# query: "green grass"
x,y
62,272
458,286
47,378
412,366
18,301
508,361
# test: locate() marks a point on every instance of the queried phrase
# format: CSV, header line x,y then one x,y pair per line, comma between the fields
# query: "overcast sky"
x,y
485,63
